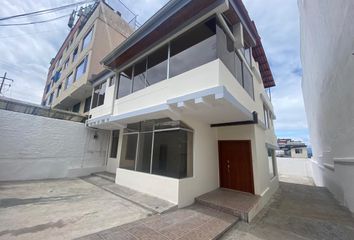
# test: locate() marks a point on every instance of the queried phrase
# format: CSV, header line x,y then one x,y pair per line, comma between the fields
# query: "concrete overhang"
x,y
212,106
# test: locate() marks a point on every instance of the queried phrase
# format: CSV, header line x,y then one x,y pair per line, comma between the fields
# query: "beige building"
x,y
97,32
189,112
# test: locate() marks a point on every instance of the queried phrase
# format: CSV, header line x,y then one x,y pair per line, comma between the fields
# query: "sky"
x,y
27,50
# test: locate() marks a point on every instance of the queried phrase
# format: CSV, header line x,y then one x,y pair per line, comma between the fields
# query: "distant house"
x,y
291,148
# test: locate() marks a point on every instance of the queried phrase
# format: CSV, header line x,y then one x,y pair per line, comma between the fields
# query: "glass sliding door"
x,y
144,152
129,147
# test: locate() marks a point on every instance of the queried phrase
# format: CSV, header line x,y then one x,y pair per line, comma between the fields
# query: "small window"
x,y
47,88
76,107
248,56
87,104
87,40
125,83
69,80
81,69
114,144
58,91
298,150
266,117
99,95
75,53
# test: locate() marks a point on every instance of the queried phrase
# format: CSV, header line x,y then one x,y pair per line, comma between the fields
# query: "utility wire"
x,y
30,23
45,10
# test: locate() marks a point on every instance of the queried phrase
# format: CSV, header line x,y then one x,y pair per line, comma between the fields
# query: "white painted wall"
x,y
34,147
327,33
301,167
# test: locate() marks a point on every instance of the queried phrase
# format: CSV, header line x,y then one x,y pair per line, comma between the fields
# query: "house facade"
x,y
327,87
291,148
98,30
186,105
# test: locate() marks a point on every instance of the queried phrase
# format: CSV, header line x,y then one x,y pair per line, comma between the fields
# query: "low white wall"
x,y
295,167
34,147
162,187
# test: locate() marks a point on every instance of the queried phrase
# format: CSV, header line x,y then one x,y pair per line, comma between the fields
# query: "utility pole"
x,y
4,78
3,81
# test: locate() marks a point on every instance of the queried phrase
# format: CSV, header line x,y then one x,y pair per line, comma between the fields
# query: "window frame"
x,y
85,62
83,47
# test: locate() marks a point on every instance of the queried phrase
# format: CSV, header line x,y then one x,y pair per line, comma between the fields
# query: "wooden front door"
x,y
235,165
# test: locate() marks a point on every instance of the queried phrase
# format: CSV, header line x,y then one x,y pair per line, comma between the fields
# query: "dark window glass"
x,y
125,83
114,144
172,155
193,48
81,69
238,68
48,88
248,56
51,98
99,94
58,91
112,80
76,108
248,81
144,152
157,66
226,50
129,145
139,75
75,53
87,104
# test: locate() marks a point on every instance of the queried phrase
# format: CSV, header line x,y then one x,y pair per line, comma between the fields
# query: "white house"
x,y
189,112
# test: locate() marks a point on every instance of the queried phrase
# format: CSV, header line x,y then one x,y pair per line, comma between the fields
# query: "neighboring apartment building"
x,y
189,112
98,31
291,148
327,55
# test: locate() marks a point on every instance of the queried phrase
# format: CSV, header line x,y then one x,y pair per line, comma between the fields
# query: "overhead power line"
x,y
30,23
45,11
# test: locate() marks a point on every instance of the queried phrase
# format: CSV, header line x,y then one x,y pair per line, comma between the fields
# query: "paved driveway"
x,y
60,209
298,212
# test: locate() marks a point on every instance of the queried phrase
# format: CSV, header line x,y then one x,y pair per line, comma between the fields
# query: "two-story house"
x,y
188,110
98,30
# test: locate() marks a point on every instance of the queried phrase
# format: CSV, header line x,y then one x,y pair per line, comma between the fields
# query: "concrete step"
x,y
106,175
195,222
239,204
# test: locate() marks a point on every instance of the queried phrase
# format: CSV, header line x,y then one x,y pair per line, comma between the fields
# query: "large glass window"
x,y
144,152
129,146
163,147
81,69
238,69
193,48
99,94
76,107
114,144
125,83
87,40
170,156
139,75
75,53
157,66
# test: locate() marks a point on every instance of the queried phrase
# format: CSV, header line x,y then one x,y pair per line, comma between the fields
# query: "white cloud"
x,y
277,22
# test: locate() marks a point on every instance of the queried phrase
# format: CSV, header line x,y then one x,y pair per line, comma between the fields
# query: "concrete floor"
x,y
298,212
61,209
